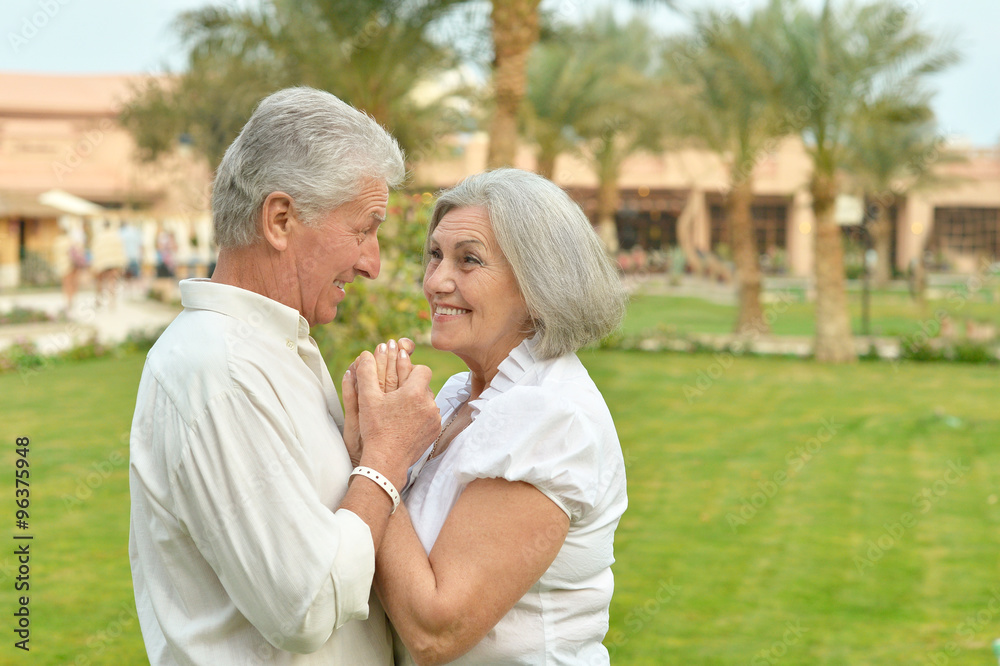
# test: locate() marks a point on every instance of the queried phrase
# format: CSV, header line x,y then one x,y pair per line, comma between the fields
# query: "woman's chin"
x,y
440,342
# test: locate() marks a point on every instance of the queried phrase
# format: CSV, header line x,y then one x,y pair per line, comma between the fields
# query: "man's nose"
x,y
369,263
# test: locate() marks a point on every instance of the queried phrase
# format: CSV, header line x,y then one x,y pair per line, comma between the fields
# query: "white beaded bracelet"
x,y
381,481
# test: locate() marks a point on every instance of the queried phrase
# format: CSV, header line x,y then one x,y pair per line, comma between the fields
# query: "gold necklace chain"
x,y
443,430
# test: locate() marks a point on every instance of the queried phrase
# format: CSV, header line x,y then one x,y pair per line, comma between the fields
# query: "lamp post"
x,y
849,211
866,277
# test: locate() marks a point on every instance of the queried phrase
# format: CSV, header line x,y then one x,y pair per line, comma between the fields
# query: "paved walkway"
x,y
88,318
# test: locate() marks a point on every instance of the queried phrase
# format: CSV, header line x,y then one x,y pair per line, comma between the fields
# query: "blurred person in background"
x,y
131,237
108,262
69,259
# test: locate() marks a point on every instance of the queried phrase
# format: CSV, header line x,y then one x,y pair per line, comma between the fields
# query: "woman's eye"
x,y
469,259
434,254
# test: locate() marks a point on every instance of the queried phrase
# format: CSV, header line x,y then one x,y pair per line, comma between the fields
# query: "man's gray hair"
x,y
570,285
308,144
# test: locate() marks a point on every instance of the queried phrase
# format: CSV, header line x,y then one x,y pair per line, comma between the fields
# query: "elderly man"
x,y
252,542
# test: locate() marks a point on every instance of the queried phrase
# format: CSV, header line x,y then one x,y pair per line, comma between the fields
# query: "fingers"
x,y
391,377
407,344
380,363
352,431
403,365
349,391
366,372
419,379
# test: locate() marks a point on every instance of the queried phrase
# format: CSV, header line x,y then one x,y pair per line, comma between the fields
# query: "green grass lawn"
x,y
822,461
891,314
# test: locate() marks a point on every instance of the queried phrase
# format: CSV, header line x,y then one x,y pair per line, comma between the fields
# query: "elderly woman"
x,y
502,551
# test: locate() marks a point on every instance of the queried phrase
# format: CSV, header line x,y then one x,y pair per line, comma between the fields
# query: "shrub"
x,y
19,315
21,356
911,350
972,352
139,340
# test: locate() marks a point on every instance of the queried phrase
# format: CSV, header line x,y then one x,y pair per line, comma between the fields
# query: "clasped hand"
x,y
390,417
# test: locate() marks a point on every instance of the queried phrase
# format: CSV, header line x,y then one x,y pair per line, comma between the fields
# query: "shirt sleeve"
x,y
295,569
530,435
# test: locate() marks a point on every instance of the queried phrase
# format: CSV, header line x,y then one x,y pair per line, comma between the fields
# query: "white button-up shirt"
x,y
239,554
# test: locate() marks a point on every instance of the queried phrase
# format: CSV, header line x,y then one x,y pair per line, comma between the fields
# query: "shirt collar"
x,y
269,317
511,371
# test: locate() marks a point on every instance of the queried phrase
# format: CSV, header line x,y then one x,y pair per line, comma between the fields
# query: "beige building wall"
x,y
62,132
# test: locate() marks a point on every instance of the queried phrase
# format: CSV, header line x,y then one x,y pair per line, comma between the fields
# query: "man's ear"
x,y
277,216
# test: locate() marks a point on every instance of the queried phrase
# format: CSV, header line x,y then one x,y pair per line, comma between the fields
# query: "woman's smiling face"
x,y
477,310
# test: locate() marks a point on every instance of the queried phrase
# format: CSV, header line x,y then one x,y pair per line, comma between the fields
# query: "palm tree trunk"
x,y
738,206
607,205
880,230
515,30
834,343
608,196
546,165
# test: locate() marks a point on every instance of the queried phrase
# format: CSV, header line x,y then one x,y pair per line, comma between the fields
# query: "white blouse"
x,y
544,423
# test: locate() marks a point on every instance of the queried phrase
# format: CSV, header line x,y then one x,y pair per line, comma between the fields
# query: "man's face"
x,y
340,245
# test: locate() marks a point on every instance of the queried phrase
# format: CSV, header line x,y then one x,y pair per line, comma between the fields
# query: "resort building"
x,y
66,164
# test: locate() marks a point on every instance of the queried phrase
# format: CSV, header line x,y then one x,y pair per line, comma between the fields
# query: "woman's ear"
x,y
277,216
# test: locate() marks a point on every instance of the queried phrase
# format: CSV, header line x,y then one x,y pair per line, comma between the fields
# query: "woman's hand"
x,y
392,361
393,364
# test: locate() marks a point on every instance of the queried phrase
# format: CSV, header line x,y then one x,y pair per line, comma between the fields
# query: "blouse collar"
x,y
510,372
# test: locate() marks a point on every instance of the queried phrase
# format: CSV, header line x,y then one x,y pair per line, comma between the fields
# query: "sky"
x,y
126,36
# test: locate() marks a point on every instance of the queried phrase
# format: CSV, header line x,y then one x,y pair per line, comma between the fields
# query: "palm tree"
x,y
628,110
890,157
515,31
565,85
371,53
725,100
835,65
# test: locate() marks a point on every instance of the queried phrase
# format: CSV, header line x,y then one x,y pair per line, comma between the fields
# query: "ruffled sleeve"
x,y
530,434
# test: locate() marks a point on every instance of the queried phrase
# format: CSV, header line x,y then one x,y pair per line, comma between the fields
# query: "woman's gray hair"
x,y
570,285
308,144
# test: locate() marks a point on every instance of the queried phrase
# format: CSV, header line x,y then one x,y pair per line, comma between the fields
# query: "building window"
x,y
770,224
651,230
966,231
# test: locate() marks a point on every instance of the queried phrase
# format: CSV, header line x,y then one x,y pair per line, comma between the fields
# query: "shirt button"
x,y
290,344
